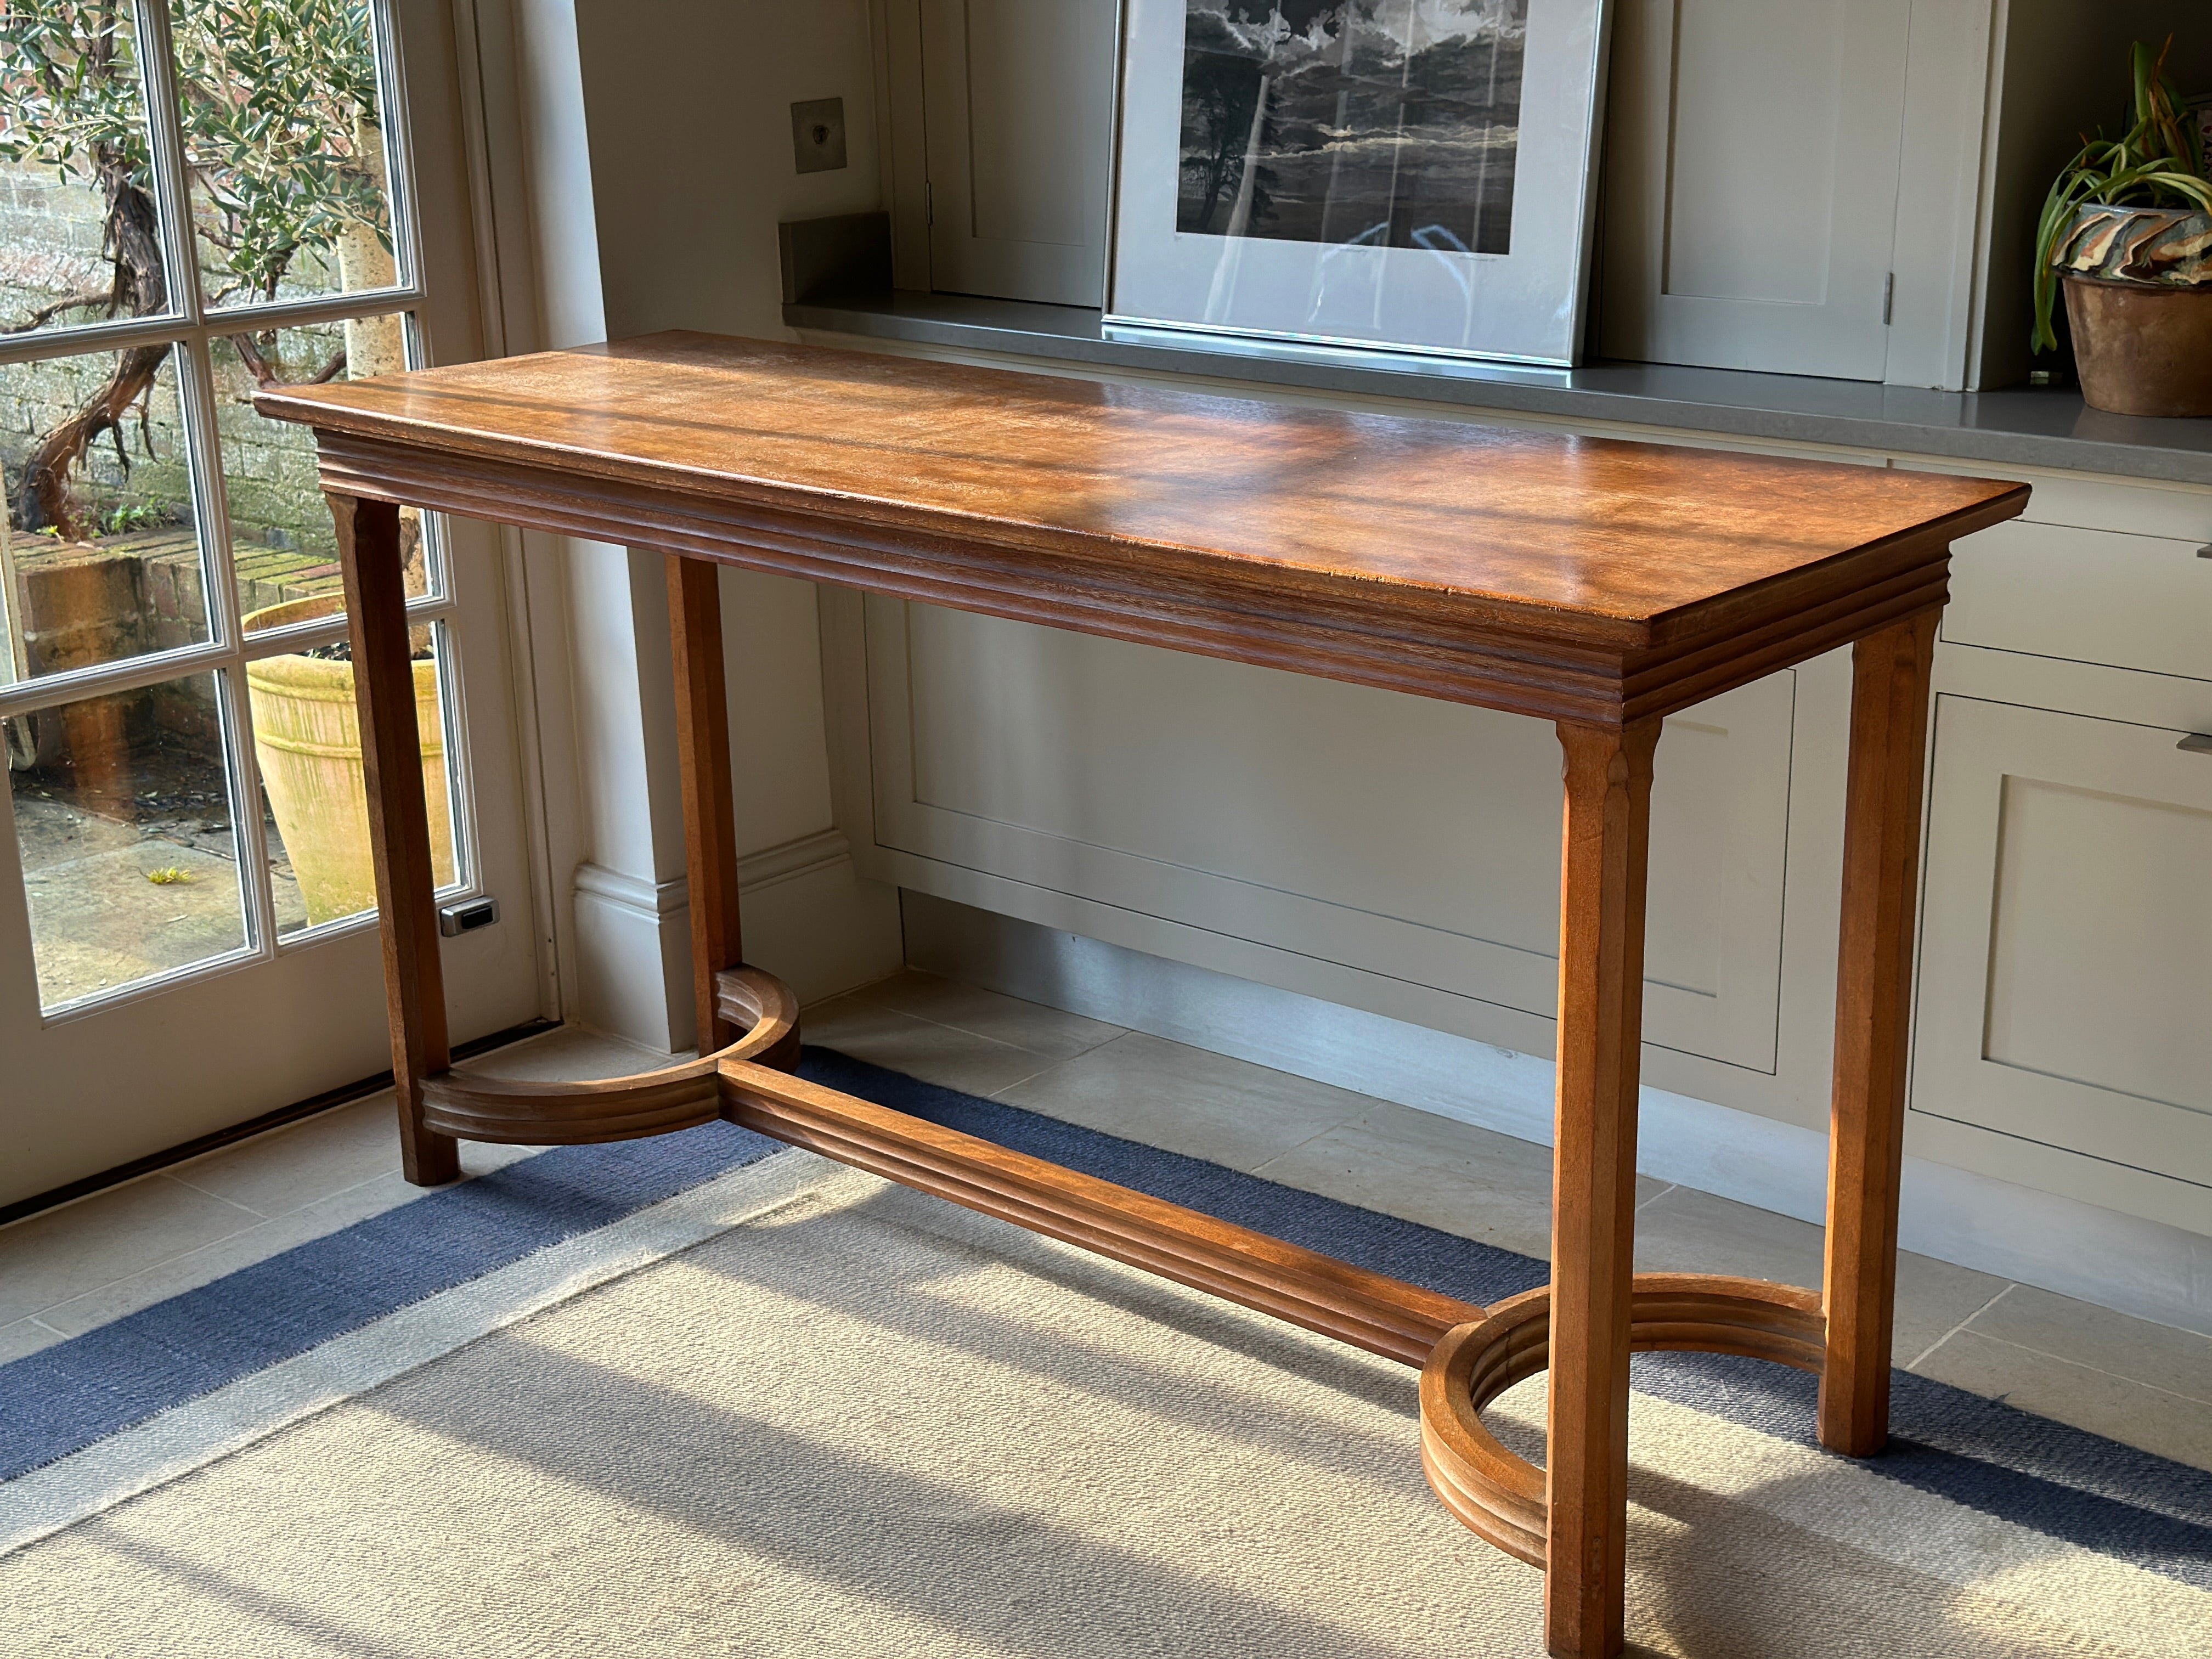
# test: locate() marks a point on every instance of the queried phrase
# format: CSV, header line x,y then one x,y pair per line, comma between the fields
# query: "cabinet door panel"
x,y
2067,945
1752,156
1016,96
1410,838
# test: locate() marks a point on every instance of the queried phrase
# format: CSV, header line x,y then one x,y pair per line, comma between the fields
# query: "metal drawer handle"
x,y
2197,743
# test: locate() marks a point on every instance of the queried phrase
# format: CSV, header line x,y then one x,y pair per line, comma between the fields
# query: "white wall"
x,y
645,172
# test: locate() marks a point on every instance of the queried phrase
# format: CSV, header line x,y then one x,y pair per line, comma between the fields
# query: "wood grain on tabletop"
x,y
1601,529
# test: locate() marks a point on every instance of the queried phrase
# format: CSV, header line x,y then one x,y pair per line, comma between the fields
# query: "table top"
x,y
1169,498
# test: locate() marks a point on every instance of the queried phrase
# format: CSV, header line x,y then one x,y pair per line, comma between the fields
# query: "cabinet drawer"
x,y
2095,596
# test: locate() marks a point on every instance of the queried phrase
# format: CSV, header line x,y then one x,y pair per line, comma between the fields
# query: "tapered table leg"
x,y
1874,989
1608,809
398,822
702,737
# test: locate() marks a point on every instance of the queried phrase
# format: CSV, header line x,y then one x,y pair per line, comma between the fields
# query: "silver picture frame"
x,y
1414,178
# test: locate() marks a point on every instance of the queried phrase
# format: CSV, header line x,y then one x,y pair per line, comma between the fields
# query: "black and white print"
x,y
1385,123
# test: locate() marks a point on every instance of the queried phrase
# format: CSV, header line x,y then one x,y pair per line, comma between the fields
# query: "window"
x,y
197,198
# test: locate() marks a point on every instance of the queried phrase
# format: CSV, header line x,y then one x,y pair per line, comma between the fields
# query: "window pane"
x,y
100,551
282,537
124,819
287,156
307,737
78,236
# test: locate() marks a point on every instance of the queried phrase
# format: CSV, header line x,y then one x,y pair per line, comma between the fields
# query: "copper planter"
x,y
2141,350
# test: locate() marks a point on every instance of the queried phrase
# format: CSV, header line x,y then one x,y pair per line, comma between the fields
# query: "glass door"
x,y
199,198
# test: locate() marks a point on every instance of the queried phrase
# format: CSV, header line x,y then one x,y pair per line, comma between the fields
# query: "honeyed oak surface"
x,y
399,825
1599,583
1605,854
1625,544
1890,675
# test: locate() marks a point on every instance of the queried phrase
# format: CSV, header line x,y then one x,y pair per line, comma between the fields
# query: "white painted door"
x,y
1752,156
2067,938
183,877
1016,97
1388,851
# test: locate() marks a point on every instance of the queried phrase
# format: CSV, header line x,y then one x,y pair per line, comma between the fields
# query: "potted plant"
x,y
2126,232
306,735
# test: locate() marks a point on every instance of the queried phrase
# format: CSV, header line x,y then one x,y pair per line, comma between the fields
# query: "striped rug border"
x,y
2063,1482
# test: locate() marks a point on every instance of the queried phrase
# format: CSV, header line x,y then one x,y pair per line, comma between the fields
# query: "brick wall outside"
x,y
139,588
50,242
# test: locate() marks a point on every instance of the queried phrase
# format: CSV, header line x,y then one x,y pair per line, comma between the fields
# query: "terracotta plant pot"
x,y
2142,348
306,735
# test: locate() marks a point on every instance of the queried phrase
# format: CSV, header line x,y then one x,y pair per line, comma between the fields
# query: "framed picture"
x,y
1413,175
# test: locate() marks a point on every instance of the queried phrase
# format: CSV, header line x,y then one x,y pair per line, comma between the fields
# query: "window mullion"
x,y
398,147
248,822
132,674
112,334
204,448
203,443
355,303
172,192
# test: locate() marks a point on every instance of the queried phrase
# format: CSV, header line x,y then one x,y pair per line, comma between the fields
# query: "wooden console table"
x,y
1598,585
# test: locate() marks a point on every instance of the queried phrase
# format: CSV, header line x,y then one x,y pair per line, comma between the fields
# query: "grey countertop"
x,y
2047,428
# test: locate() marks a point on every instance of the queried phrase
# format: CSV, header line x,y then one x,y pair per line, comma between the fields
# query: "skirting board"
x,y
2147,1268
809,919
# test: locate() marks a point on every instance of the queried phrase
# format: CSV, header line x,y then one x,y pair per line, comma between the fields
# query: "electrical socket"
x,y
817,135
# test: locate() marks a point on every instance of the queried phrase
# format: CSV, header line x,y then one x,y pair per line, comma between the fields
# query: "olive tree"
x,y
284,157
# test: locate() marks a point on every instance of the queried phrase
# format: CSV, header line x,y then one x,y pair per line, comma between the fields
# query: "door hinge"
x,y
929,204
1888,296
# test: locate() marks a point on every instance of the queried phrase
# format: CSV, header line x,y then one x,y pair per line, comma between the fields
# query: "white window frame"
x,y
190,326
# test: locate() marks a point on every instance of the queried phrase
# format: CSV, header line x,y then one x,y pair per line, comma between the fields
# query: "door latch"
x,y
467,916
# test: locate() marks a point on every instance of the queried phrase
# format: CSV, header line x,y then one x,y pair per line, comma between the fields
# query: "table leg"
x,y
398,822
1608,811
702,738
1873,989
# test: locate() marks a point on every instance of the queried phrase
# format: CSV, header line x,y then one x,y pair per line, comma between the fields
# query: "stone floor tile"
x,y
1436,1171
2179,1362
1934,1298
25,1336
1049,1031
61,1253
570,1054
386,1190
210,1263
1206,1105
1453,1177
300,1163
951,1058
1687,1231
287,1168
136,1244
2116,1407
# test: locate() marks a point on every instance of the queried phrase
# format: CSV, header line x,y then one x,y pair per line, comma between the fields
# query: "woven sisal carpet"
x,y
789,1410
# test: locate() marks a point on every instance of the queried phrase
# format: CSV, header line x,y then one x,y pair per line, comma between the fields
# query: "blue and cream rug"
x,y
700,1396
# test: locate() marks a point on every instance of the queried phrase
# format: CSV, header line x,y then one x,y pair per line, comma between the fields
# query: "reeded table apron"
x,y
1598,585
